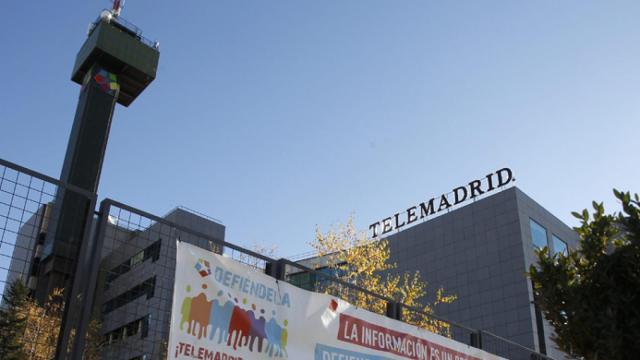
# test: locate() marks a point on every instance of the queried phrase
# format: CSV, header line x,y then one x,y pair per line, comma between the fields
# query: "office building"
x,y
481,253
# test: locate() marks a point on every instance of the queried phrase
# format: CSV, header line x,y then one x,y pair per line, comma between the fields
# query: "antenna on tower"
x,y
117,7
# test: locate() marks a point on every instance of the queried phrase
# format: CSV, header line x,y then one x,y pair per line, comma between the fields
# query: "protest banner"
x,y
224,310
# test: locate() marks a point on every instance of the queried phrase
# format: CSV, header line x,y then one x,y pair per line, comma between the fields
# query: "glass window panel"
x,y
559,246
302,280
538,234
137,258
145,326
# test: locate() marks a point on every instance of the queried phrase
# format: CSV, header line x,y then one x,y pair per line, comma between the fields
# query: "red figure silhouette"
x,y
241,324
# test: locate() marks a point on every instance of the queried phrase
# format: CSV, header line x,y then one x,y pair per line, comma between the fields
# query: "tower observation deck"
x,y
119,47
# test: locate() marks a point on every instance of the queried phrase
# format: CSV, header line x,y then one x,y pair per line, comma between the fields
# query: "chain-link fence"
x,y
137,267
37,266
25,211
122,294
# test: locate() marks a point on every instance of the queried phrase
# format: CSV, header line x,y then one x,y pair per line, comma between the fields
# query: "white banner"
x,y
223,310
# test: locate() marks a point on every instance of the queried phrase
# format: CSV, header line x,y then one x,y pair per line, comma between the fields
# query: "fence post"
x,y
79,309
275,269
394,310
75,290
476,339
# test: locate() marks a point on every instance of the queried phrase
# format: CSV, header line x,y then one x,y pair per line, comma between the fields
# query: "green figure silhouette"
x,y
185,311
283,339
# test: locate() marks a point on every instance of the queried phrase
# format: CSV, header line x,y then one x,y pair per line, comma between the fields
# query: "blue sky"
x,y
275,116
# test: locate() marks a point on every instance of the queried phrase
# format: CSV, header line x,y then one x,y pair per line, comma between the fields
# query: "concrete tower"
x,y
114,65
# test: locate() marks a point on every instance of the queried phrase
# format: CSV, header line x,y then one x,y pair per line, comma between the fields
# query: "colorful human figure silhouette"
x,y
257,328
185,311
220,317
200,312
274,337
244,339
283,339
239,326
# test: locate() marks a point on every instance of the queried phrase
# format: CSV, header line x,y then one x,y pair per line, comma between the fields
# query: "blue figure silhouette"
x,y
274,337
219,319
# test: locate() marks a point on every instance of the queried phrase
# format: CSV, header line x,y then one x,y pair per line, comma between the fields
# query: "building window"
x,y
303,280
145,288
137,259
314,281
559,246
150,252
138,326
538,234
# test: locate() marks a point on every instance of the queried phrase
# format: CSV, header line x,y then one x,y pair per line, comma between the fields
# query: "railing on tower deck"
x,y
125,25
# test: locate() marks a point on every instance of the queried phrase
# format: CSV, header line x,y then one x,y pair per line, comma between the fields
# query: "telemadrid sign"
x,y
444,202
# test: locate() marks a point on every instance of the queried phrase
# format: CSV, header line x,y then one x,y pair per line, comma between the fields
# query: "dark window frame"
x,y
146,287
128,330
150,252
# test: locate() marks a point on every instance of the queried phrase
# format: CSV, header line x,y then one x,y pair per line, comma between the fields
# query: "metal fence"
x,y
28,207
122,307
319,280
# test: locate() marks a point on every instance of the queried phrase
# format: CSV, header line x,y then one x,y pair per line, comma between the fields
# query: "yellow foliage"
x,y
43,323
361,261
41,333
